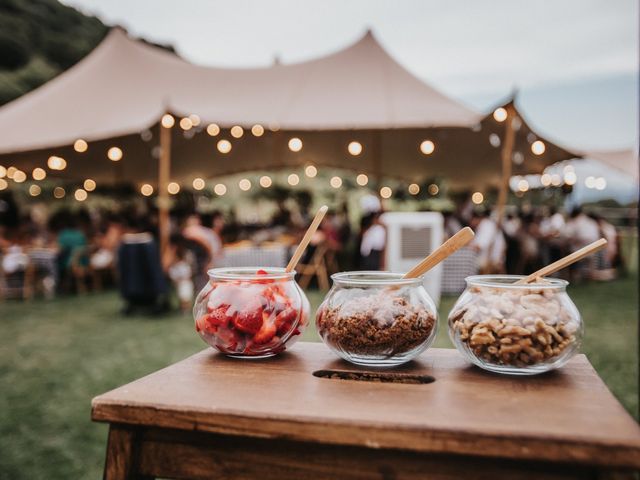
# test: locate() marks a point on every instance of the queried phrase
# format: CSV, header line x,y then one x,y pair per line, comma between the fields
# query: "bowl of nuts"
x,y
377,319
517,329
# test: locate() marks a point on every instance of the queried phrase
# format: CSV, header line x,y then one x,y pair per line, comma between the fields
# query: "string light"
x,y
89,185
335,182
81,195
11,171
433,189
220,189
517,158
274,127
3,184
600,183
494,140
257,130
114,154
362,179
556,180
195,119
414,189
293,179
19,176
523,185
477,198
570,178
427,147
224,146
311,171
80,146
35,190
355,148
39,173
568,168
237,131
545,179
186,123
500,114
538,147
146,190
295,144
590,182
198,183
265,181
54,163
386,192
59,192
173,188
3,172
167,121
244,184
213,129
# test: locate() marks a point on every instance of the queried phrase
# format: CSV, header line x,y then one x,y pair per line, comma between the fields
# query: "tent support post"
x,y
506,154
377,158
164,172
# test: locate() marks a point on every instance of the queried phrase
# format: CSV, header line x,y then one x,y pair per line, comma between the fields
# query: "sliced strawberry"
x,y
262,272
218,316
248,321
227,340
266,333
284,320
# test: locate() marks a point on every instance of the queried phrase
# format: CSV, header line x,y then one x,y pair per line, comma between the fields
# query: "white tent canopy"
x,y
116,96
625,161
124,86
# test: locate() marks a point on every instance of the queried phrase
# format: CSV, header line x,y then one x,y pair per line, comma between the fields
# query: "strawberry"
x,y
266,333
262,272
248,321
227,340
285,319
218,316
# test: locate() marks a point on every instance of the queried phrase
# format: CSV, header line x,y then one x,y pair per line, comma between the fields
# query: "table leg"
x,y
121,460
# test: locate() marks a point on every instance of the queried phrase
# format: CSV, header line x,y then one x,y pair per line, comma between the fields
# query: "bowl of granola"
x,y
377,318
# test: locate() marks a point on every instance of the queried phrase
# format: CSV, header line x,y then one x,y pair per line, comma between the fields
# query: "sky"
x,y
574,63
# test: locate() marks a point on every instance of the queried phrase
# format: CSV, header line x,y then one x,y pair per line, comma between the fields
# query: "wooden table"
x,y
214,417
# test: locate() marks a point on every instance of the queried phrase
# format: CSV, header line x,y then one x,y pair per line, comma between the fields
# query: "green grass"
x,y
55,356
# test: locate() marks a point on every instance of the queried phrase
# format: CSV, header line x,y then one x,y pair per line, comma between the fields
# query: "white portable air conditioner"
x,y
411,236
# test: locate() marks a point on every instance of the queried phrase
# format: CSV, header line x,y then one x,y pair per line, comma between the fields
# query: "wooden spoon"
x,y
302,246
564,262
456,242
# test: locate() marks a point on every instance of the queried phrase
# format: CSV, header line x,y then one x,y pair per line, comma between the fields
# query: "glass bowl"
x,y
515,329
251,312
377,319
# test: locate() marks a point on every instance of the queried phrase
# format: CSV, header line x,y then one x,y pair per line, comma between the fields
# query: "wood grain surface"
x,y
567,416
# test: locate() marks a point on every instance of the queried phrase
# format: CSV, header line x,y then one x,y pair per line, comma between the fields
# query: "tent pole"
x,y
506,154
377,158
164,172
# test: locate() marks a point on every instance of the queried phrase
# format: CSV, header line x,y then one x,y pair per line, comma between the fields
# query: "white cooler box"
x,y
411,236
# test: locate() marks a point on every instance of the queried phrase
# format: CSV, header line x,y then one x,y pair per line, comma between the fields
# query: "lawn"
x,y
56,355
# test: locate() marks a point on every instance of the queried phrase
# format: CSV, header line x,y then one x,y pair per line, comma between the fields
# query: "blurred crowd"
x,y
73,252
528,240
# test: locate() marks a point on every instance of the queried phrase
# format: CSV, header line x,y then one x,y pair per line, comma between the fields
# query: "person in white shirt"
x,y
489,242
372,246
580,231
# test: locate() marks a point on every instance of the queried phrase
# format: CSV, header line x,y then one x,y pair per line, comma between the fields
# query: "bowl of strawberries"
x,y
251,312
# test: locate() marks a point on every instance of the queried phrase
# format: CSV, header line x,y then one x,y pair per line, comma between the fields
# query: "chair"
x,y
316,267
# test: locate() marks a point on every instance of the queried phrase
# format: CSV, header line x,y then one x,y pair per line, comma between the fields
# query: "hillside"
x,y
40,39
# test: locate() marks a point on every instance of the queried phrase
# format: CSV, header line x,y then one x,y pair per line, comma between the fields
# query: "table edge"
x,y
376,436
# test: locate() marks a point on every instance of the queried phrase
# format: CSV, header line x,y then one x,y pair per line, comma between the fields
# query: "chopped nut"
x,y
515,328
